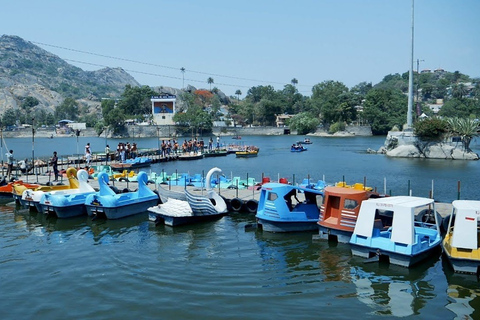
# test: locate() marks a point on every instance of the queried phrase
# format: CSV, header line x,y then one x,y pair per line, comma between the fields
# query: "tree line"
x,y
331,105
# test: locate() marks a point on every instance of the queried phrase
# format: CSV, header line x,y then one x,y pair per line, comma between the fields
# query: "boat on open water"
x,y
461,243
387,228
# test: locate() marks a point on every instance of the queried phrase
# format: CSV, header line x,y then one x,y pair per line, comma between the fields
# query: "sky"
x,y
241,44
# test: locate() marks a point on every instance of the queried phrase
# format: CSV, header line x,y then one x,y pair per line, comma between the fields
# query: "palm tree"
x,y
294,82
467,129
238,93
183,77
210,81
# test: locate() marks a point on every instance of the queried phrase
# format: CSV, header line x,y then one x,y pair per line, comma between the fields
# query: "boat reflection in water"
x,y
391,290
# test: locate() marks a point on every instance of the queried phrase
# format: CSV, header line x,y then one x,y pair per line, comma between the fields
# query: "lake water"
x,y
52,268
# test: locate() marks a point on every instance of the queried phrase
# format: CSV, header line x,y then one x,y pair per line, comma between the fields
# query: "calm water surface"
x,y
55,268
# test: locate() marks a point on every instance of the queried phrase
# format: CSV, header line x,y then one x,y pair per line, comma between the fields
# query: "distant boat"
x,y
386,227
305,141
246,154
215,153
298,148
237,137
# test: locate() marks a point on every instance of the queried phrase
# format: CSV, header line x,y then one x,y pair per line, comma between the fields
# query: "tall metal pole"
x,y
33,145
410,75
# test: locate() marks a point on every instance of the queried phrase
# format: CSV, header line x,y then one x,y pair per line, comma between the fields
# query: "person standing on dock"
x,y
218,142
9,163
107,153
54,164
88,154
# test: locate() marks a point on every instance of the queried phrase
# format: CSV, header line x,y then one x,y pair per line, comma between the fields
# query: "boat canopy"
x,y
467,213
403,208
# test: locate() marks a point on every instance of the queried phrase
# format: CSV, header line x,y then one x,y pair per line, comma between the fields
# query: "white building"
x,y
163,109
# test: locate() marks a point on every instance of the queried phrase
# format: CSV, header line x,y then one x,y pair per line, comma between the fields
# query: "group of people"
x,y
172,147
125,151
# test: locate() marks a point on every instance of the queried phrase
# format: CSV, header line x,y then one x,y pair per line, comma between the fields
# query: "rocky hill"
x,y
28,70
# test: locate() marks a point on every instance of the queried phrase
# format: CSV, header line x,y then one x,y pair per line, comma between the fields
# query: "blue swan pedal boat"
x,y
386,227
65,204
115,206
278,212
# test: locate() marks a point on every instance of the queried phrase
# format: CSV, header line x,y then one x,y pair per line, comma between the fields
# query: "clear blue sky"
x,y
247,43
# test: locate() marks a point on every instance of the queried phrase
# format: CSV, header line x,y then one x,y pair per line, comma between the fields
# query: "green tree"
x,y
461,108
136,100
68,109
328,97
384,109
303,123
10,117
294,82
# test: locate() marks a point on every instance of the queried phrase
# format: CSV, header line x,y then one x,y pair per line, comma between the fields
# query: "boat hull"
x,y
340,235
463,265
281,226
404,260
173,221
65,211
119,212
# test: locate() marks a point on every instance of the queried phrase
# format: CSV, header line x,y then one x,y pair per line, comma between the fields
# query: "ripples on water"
x,y
123,269
129,268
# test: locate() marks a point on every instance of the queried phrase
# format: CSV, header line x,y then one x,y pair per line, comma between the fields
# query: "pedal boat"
x,y
386,228
115,206
461,243
31,197
195,208
65,203
279,209
339,211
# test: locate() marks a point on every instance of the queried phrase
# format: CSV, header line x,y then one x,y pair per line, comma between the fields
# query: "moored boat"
x,y
7,190
115,206
66,204
386,227
339,211
31,197
194,209
279,209
461,243
130,164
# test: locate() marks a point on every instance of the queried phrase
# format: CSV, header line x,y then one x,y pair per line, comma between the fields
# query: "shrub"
x,y
432,129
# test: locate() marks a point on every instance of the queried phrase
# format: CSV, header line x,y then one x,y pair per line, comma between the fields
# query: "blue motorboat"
x,y
115,206
280,210
66,204
298,148
387,228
